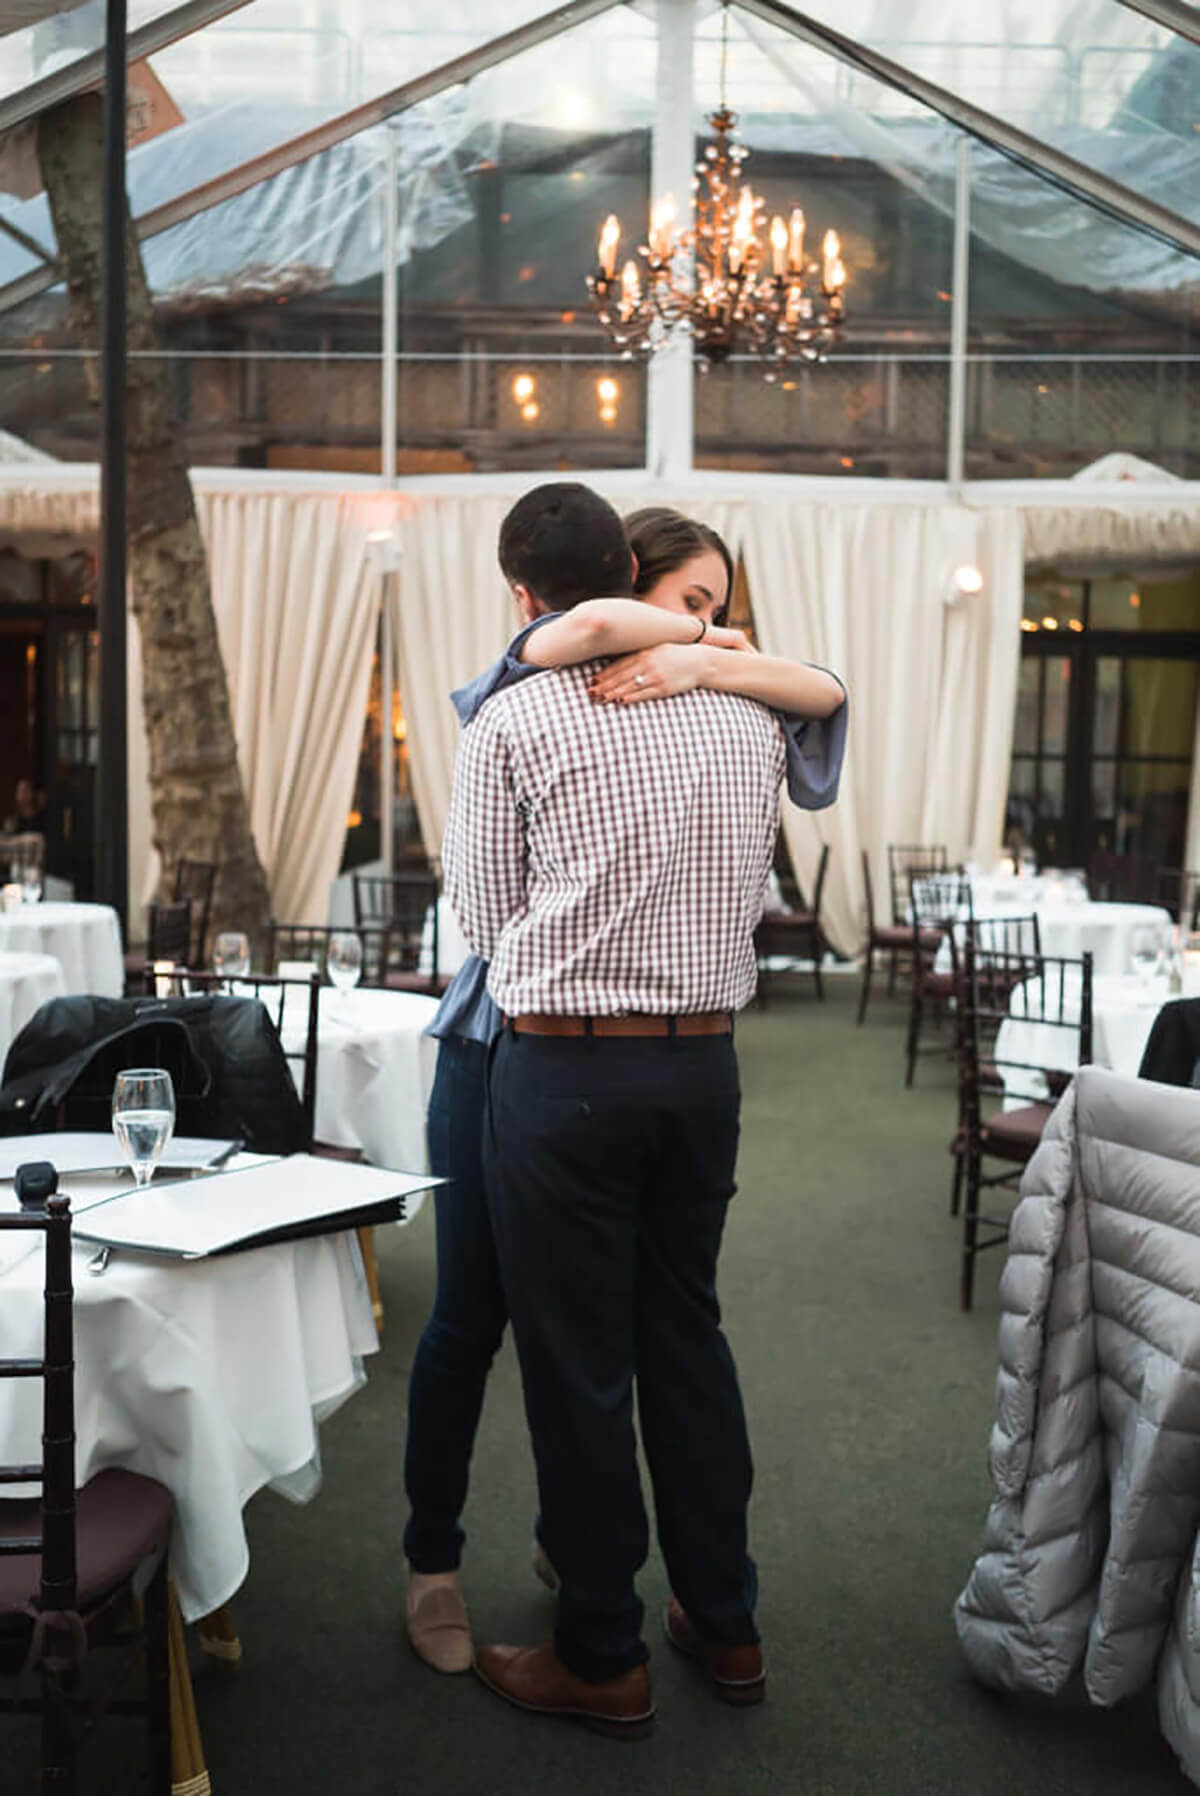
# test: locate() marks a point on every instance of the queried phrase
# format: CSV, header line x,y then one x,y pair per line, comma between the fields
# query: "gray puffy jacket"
x,y
1090,1551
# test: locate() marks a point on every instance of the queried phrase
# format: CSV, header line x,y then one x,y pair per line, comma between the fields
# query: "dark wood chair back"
x,y
1027,1078
1177,889
400,903
72,1537
1049,990
1123,878
56,1473
906,859
23,856
819,883
271,992
310,941
936,902
197,880
169,932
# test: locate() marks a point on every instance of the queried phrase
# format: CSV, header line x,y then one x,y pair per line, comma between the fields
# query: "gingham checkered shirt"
x,y
612,858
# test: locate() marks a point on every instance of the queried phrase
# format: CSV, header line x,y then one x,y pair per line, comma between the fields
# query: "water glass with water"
x,y
143,1117
344,960
1145,949
231,955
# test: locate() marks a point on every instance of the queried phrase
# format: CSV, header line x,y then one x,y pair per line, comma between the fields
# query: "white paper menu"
x,y
211,1214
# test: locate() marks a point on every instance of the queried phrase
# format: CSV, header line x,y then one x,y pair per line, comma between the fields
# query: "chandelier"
x,y
725,278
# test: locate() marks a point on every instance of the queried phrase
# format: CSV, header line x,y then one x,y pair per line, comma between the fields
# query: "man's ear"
x,y
634,575
527,605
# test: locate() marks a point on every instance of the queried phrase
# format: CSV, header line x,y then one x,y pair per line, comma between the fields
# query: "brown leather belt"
x,y
705,1022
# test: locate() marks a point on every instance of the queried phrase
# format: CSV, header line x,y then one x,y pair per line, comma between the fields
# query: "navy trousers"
x,y
610,1166
459,1341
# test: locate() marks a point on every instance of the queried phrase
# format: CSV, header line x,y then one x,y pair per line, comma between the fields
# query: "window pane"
x,y
1160,707
1053,773
1056,704
1104,791
1147,601
1025,728
1106,719
1152,818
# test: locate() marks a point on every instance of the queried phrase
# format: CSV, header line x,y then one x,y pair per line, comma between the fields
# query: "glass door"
x,y
1143,732
1103,742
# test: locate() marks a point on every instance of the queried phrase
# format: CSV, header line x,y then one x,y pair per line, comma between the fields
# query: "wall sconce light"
x,y
608,392
524,392
964,582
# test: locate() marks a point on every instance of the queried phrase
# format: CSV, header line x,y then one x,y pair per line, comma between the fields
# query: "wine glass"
x,y
231,955
1145,947
31,886
143,1116
344,960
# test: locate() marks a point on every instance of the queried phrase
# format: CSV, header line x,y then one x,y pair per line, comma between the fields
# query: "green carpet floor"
x,y
870,1400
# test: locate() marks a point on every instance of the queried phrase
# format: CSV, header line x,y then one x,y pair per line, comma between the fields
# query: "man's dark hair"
x,y
563,543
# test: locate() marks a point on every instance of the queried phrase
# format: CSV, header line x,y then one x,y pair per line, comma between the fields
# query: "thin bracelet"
x,y
703,630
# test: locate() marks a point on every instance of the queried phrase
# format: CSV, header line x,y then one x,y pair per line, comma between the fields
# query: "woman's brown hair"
x,y
663,539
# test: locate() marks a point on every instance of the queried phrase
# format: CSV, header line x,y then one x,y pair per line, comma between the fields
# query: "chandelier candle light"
x,y
712,277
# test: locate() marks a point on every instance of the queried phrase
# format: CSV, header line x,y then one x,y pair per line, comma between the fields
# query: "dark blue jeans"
x,y
459,1341
610,1167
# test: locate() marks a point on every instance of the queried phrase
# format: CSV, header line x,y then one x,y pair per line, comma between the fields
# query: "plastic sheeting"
x,y
316,225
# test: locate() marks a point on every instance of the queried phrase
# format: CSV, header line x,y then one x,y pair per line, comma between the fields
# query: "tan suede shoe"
x,y
439,1629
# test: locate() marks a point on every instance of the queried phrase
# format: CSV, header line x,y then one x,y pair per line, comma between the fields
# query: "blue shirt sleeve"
x,y
816,748
504,672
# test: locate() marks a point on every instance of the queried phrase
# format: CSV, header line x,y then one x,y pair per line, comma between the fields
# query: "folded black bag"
x,y
226,1062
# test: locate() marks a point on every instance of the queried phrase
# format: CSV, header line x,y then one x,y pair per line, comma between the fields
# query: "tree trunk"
x,y
198,803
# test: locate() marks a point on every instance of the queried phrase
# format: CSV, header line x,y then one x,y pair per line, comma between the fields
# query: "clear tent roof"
x,y
1092,77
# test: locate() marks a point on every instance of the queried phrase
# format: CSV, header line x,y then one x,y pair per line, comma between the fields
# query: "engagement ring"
x,y
639,679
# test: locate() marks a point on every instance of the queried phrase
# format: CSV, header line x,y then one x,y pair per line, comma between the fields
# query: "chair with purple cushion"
x,y
72,1562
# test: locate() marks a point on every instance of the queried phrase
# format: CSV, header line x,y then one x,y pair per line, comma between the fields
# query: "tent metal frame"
x,y
1043,159
336,130
88,71
1054,165
1175,15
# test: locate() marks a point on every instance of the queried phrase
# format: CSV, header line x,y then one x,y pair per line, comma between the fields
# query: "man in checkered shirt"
x,y
611,862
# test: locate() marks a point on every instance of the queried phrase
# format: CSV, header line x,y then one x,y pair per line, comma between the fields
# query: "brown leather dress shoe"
x,y
736,1672
535,1678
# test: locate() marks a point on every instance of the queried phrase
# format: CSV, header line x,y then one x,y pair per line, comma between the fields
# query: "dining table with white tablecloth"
x,y
375,1068
211,1375
27,981
85,940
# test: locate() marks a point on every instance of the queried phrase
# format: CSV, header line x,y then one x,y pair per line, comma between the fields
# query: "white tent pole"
x,y
669,377
959,306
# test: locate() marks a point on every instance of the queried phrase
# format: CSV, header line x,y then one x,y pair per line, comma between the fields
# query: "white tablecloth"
x,y
85,939
375,1072
1104,930
210,1375
1067,929
1123,1013
26,982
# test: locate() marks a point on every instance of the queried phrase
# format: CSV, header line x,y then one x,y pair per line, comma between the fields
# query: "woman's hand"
x,y
652,673
718,637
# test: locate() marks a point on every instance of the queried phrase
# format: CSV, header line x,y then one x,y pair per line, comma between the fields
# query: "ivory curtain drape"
x,y
860,589
453,616
297,602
